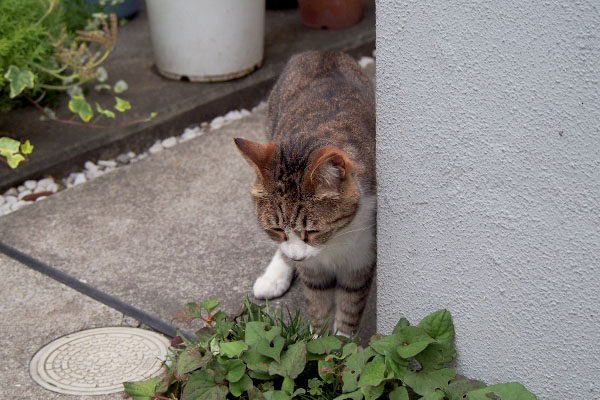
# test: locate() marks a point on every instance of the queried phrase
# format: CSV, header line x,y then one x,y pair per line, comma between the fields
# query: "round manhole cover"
x,y
98,361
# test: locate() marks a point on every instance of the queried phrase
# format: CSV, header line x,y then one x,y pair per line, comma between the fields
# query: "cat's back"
x,y
324,98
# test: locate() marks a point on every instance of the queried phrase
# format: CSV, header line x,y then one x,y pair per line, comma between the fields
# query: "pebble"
x,y
21,188
44,183
123,158
156,147
217,123
107,163
364,61
233,115
188,134
93,174
10,199
79,178
169,142
2,201
30,184
90,166
24,193
11,192
4,209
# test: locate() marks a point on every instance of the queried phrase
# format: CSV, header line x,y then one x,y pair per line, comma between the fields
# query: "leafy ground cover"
x,y
262,354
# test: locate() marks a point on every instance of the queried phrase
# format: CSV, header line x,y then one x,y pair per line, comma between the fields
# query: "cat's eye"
x,y
277,234
310,235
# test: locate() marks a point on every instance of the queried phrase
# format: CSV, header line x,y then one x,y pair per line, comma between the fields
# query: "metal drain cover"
x,y
98,361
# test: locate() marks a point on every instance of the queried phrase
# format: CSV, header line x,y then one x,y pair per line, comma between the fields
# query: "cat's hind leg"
x,y
276,279
350,298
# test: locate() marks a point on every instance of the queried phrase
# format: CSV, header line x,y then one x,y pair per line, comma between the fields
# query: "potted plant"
x,y
206,40
263,354
330,14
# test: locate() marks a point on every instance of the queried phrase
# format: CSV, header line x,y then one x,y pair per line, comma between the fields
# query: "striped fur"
x,y
315,186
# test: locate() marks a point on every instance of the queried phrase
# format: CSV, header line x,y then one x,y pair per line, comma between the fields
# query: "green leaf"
x,y
506,391
287,385
460,386
256,361
80,106
190,360
400,393
151,117
255,394
439,326
19,80
241,386
27,147
396,364
266,340
324,345
190,312
426,382
120,86
292,361
9,146
373,373
414,340
436,356
403,323
354,367
201,386
235,370
106,113
437,395
372,392
356,395
122,105
144,390
386,343
208,305
14,160
277,395
233,349
222,328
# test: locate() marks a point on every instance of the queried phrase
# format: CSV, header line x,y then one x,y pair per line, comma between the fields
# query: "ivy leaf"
x,y
372,392
414,340
403,323
27,147
120,86
400,393
460,386
19,80
80,106
201,386
436,356
292,362
233,349
241,386
235,370
14,160
122,105
373,373
324,345
426,382
9,146
439,326
506,391
144,390
106,113
190,360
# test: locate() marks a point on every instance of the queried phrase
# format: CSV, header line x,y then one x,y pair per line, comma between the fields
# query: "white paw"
x,y
267,287
275,281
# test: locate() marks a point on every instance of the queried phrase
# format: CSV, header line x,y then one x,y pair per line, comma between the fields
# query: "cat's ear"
x,y
328,169
256,153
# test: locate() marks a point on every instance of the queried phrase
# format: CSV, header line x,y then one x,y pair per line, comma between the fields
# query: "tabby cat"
x,y
315,189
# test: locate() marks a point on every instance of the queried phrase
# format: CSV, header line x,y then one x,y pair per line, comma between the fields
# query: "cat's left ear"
x,y
258,154
329,167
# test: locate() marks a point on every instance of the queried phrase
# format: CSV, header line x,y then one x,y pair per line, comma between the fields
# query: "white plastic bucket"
x,y
207,40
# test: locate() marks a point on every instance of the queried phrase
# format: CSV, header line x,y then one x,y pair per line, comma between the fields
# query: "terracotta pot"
x,y
330,14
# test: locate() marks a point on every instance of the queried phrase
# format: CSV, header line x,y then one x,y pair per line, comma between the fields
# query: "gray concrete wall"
x,y
488,166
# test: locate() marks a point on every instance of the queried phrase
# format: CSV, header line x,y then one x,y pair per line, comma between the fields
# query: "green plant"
x,y
262,354
14,151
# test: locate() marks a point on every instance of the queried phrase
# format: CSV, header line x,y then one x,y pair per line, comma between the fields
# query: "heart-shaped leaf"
x,y
506,391
80,106
233,349
122,105
324,345
19,80
426,382
413,341
241,386
439,326
293,361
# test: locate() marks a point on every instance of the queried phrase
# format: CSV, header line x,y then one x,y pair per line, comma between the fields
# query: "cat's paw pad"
x,y
268,287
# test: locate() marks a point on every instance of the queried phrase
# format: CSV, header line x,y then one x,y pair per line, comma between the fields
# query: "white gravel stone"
x,y
79,178
90,166
44,183
10,199
21,188
31,184
107,163
4,209
217,123
169,142
233,115
245,112
364,61
41,198
156,147
24,193
188,134
2,201
123,158
18,205
53,187
11,192
93,174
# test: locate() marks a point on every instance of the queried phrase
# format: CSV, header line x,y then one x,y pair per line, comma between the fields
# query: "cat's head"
x,y
303,195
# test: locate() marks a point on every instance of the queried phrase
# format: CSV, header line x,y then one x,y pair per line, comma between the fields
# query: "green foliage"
x,y
13,151
262,354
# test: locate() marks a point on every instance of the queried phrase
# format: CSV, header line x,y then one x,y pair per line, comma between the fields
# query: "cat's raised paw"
x,y
269,287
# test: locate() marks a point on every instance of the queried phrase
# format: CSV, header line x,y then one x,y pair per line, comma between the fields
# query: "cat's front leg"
x,y
276,279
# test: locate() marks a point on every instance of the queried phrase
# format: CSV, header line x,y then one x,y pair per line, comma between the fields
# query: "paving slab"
x,y
61,149
34,311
